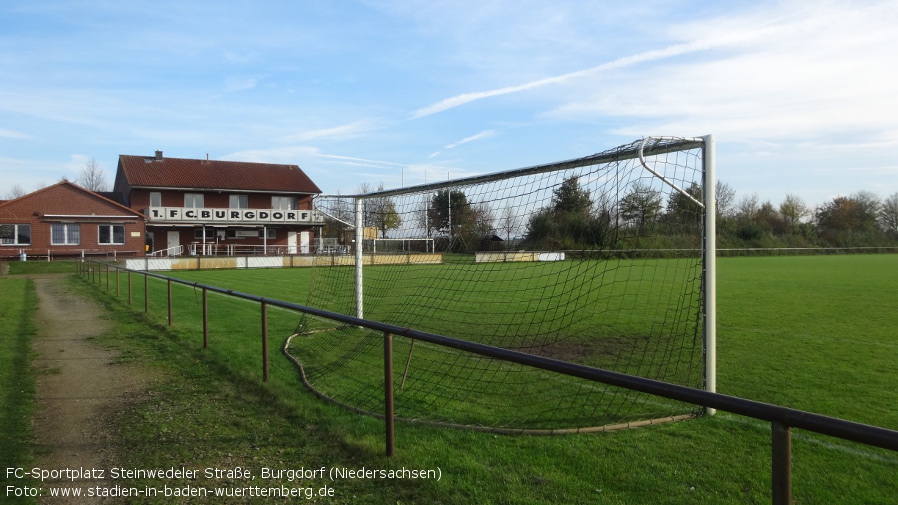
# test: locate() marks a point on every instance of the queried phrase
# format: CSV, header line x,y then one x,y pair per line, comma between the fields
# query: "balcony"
x,y
204,215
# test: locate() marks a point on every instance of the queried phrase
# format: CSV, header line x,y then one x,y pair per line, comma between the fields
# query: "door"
x,y
304,242
174,241
291,242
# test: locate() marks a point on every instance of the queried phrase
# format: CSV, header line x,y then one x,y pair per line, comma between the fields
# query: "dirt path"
x,y
78,385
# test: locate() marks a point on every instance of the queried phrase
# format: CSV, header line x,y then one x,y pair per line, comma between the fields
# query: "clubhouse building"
x,y
168,207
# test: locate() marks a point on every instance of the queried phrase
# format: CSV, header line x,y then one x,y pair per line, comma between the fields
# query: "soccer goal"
x,y
605,260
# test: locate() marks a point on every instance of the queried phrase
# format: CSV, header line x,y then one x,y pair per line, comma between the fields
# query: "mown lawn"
x,y
814,333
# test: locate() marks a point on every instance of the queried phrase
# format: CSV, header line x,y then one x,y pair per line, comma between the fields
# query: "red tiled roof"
x,y
150,172
65,198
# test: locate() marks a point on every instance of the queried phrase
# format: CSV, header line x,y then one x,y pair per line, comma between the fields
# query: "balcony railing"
x,y
207,215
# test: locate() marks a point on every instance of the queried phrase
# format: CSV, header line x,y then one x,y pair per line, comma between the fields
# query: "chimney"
x,y
158,155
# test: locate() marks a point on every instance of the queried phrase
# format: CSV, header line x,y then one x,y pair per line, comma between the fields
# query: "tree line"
x,y
643,217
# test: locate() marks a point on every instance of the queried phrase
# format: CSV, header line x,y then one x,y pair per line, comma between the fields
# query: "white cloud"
x,y
627,61
349,160
11,134
337,132
479,136
290,155
803,72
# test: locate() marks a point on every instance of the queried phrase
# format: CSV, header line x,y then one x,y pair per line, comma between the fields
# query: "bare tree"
x,y
380,212
888,214
509,222
92,177
726,195
748,207
14,192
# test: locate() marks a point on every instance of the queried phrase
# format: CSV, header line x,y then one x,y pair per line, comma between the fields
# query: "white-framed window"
x,y
193,200
155,199
272,233
65,234
239,202
15,234
198,233
111,234
283,202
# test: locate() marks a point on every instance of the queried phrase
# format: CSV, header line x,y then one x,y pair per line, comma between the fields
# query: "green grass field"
x,y
18,304
813,333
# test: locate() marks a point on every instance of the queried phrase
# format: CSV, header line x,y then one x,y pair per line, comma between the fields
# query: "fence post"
x,y
781,467
169,301
146,294
389,418
107,277
117,288
264,342
205,320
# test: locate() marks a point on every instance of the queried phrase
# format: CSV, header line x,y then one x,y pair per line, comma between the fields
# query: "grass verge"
x,y
18,303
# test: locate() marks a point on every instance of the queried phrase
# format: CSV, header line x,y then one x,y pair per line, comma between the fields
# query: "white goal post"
x,y
631,286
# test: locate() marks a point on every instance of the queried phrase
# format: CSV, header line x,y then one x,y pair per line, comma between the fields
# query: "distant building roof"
x,y
159,172
65,199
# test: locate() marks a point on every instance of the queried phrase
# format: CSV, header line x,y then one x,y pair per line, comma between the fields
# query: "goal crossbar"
x,y
662,145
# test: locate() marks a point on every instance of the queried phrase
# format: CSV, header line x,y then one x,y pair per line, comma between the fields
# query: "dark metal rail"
x,y
782,419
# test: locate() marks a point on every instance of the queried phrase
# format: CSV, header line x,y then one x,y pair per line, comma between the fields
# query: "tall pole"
x,y
359,236
449,211
710,267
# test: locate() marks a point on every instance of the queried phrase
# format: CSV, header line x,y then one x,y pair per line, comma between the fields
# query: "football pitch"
x,y
815,333
827,323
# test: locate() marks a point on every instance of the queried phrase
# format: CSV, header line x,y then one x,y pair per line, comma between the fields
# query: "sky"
x,y
800,95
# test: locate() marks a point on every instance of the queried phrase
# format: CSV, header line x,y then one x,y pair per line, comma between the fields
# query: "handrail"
x,y
782,418
177,250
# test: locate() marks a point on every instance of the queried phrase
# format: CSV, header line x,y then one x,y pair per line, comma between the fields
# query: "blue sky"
x,y
801,95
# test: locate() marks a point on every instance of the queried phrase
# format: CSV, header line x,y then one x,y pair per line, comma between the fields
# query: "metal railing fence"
x,y
782,419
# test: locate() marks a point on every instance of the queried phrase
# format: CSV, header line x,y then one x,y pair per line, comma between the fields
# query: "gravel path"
x,y
79,384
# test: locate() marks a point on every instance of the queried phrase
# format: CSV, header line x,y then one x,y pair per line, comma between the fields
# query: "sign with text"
x,y
204,215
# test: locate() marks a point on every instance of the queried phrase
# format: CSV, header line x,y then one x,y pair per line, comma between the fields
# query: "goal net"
x,y
600,261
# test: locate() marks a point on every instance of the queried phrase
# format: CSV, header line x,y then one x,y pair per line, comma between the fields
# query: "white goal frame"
x,y
650,146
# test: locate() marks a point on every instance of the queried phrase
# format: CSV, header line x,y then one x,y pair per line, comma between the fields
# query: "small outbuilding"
x,y
68,220
491,242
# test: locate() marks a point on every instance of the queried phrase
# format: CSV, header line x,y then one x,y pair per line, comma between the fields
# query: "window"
x,y
198,233
239,202
283,202
155,199
193,200
15,234
272,233
65,234
111,234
